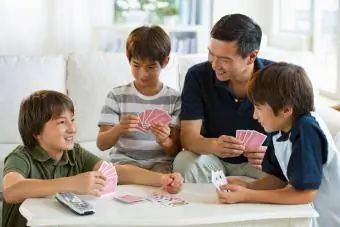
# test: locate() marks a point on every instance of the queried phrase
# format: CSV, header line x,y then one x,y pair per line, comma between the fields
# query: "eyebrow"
x,y
222,57
137,63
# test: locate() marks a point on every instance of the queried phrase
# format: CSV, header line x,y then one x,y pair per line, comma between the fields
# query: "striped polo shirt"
x,y
137,147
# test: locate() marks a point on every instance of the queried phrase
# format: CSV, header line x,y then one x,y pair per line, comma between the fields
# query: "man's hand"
x,y
89,183
172,182
255,157
236,194
161,132
227,147
127,123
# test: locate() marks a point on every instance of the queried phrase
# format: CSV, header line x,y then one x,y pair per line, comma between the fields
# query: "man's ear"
x,y
166,61
252,57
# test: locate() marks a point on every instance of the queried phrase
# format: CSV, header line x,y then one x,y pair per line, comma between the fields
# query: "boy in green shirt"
x,y
50,162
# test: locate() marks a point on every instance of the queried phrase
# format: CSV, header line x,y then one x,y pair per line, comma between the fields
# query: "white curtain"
x,y
34,27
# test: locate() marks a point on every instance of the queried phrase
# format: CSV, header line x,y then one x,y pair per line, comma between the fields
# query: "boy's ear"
x,y
166,61
252,57
287,111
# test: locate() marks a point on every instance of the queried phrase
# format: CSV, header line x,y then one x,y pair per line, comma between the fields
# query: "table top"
x,y
203,208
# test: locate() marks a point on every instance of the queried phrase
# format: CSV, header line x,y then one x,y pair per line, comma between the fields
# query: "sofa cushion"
x,y
20,76
185,62
92,76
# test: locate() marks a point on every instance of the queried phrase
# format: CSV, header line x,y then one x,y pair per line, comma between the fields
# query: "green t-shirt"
x,y
37,164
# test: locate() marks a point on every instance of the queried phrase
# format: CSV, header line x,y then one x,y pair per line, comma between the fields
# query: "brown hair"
x,y
282,84
39,108
148,42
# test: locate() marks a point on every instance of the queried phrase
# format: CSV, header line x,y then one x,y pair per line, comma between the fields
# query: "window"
x,y
319,21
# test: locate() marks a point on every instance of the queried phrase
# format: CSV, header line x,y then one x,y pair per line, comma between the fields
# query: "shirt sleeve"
x,y
175,112
270,163
192,102
17,162
309,152
110,112
88,160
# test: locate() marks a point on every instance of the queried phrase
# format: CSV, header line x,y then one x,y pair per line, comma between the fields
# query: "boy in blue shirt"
x,y
302,163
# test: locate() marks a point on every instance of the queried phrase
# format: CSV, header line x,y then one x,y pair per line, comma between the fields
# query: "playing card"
x,y
166,199
110,186
152,116
218,178
255,140
247,136
240,134
163,118
109,171
104,166
130,199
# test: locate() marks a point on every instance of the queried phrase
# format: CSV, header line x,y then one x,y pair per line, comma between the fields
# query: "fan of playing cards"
x,y
251,139
152,116
109,171
218,179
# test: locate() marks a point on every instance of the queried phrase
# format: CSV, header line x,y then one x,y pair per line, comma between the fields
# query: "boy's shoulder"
x,y
171,91
121,89
21,151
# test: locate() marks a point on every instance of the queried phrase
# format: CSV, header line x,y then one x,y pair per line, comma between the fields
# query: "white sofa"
x,y
87,78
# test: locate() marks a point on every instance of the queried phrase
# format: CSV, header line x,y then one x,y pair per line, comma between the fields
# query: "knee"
x,y
184,161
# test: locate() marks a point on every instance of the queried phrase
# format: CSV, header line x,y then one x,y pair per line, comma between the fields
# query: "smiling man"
x,y
215,105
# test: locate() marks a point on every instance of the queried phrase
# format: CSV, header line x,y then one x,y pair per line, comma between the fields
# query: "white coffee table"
x,y
203,209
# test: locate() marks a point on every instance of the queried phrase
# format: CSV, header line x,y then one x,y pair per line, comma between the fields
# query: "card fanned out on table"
x,y
166,199
150,117
109,171
251,139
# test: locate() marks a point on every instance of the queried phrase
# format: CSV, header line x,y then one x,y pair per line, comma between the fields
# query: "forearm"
x,y
109,138
34,188
199,145
129,174
171,146
267,182
287,195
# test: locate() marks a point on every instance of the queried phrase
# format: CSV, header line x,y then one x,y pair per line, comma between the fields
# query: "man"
x,y
215,105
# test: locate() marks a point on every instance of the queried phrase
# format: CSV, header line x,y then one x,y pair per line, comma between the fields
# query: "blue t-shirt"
x,y
206,98
307,159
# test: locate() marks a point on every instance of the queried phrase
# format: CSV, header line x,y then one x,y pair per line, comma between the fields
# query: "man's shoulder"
x,y
200,71
262,62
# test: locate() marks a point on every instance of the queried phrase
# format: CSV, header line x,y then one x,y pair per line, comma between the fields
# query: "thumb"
x,y
230,187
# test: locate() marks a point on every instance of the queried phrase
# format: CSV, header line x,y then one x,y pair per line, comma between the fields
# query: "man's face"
x,y
225,60
145,72
58,134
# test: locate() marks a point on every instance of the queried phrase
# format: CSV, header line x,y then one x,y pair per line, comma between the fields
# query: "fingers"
x,y
230,139
173,183
128,122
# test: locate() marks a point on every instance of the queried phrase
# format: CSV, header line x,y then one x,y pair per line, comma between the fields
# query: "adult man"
x,y
214,104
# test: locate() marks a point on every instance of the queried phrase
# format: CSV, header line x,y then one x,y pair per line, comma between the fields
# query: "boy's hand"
x,y
227,147
172,182
89,183
128,123
236,194
161,132
255,157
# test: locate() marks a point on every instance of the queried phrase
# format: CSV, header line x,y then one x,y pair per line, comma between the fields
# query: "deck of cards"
x,y
130,199
251,139
218,179
151,117
109,171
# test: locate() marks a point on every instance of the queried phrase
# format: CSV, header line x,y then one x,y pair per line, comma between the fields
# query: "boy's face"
x,y
145,72
265,115
58,134
227,63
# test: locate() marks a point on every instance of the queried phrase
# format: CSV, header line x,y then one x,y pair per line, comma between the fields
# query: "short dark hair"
x,y
239,28
148,42
39,108
282,84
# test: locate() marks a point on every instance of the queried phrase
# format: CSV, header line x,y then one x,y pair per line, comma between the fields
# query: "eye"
x,y
61,122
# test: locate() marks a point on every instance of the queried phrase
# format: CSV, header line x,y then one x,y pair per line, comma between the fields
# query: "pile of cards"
x,y
251,139
218,179
130,199
109,171
152,116
166,199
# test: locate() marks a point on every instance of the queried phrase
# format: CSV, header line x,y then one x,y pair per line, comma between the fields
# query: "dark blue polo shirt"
x,y
204,97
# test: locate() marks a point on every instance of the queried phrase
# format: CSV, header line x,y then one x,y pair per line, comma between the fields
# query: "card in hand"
x,y
251,139
151,117
166,199
218,178
109,171
130,199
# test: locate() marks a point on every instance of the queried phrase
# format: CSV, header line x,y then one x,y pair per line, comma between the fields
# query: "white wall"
x,y
259,10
